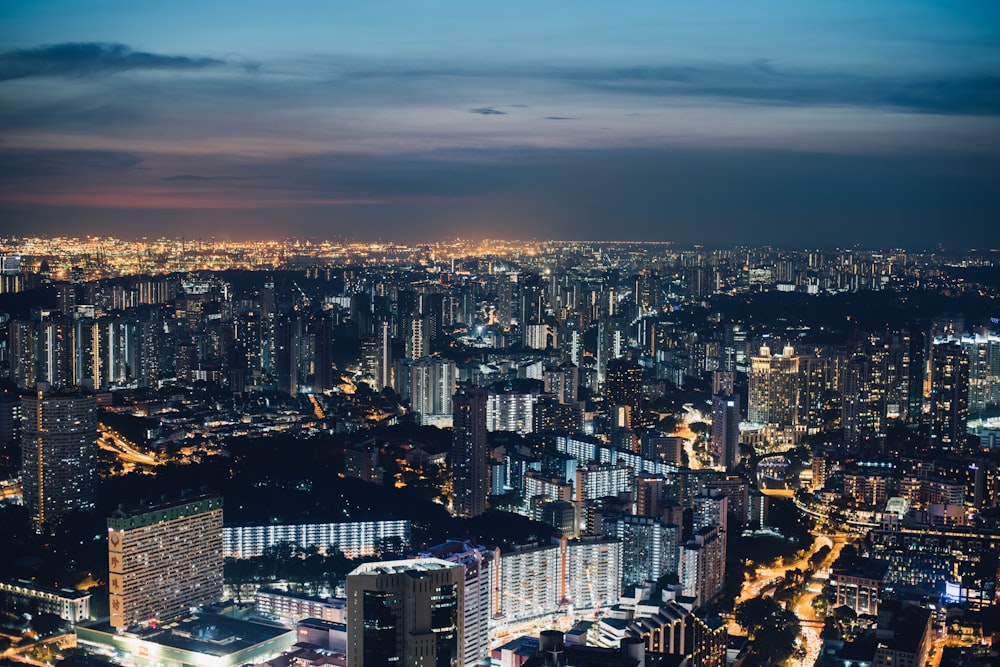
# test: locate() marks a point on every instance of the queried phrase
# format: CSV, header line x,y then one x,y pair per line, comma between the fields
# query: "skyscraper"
x,y
470,482
949,399
726,430
774,387
164,559
701,565
646,548
477,603
624,387
858,414
432,385
58,454
405,612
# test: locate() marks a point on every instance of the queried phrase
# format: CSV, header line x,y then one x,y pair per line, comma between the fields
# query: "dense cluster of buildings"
x,y
592,387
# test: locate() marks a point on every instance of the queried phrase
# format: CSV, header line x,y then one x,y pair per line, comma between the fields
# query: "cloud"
x,y
488,111
90,58
764,82
195,177
30,164
562,118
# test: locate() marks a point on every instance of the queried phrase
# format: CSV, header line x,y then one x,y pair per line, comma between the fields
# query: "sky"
x,y
722,122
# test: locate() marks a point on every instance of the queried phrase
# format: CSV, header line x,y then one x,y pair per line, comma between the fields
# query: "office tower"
x,y
476,599
893,374
624,387
407,612
361,314
470,482
726,430
58,454
164,559
949,397
723,382
820,385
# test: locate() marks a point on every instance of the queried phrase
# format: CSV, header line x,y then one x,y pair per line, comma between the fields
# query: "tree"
x,y
772,629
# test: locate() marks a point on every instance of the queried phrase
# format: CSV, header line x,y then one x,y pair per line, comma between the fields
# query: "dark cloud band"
x,y
90,58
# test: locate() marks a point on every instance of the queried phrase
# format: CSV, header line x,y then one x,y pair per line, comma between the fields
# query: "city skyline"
x,y
773,124
622,442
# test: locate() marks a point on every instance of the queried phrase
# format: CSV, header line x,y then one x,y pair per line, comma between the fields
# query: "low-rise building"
x,y
66,603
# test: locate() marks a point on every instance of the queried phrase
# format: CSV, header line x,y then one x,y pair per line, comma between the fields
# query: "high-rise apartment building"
x,y
406,612
624,387
983,350
470,482
431,387
701,565
58,454
164,559
649,548
859,410
949,396
774,388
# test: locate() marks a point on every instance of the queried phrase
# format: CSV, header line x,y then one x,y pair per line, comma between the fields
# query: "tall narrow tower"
x,y
726,429
470,483
949,399
58,454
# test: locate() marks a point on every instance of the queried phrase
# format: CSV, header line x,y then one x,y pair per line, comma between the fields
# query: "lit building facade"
x,y
536,582
774,388
58,454
291,607
356,539
164,559
66,603
949,396
470,482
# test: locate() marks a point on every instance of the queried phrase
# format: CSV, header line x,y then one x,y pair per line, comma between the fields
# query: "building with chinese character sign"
x,y
164,559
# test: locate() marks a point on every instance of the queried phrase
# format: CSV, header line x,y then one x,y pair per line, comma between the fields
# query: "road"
x,y
111,440
20,653
763,583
